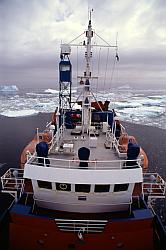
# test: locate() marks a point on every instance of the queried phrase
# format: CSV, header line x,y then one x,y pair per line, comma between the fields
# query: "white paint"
x,y
95,202
84,176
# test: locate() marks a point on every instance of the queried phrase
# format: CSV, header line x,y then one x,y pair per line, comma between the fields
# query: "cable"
x,y
98,70
105,75
76,38
77,69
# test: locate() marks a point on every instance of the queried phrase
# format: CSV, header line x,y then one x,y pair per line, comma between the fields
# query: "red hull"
x,y
32,232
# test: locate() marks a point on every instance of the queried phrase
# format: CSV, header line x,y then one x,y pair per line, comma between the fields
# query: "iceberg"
x,y
51,91
8,88
125,87
20,113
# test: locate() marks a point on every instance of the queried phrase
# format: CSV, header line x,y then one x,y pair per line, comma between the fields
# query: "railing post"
x,y
2,183
37,134
74,226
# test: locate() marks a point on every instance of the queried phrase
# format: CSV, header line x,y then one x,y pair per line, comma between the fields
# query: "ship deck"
x,y
100,152
70,144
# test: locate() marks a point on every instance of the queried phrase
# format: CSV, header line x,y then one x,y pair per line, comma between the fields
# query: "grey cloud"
x,y
31,55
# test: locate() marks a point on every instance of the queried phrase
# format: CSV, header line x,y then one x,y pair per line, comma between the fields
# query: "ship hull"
x,y
32,233
29,231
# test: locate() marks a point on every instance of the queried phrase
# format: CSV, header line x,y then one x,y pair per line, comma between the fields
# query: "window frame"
x,y
98,186
120,187
47,185
83,185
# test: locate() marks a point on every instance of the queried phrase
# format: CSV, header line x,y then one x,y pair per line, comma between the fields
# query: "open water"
x,y
146,107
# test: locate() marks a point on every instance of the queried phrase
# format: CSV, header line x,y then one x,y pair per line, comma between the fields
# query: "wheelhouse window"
x,y
85,188
44,184
102,188
65,68
121,187
63,186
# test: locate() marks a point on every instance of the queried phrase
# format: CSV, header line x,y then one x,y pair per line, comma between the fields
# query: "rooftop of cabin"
x,y
96,149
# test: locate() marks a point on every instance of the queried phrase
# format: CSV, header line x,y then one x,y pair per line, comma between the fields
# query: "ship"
x,y
84,182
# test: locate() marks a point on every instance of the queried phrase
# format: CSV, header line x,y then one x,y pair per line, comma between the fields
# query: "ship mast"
x,y
88,53
86,103
65,75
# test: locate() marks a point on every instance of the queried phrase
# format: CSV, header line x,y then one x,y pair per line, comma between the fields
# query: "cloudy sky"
x,y
32,30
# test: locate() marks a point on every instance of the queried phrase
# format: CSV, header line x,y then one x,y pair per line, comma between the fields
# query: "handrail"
x,y
88,226
152,177
93,164
9,172
77,220
11,181
153,185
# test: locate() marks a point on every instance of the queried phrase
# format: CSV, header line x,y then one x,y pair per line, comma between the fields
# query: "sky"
x,y
31,32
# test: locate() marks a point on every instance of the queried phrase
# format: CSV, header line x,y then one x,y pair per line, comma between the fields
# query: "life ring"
x,y
63,186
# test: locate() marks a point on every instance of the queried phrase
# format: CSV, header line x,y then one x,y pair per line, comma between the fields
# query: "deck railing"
x,y
86,226
13,182
154,185
12,179
74,163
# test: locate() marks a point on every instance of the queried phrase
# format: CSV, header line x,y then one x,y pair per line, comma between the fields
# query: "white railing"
x,y
54,138
74,163
116,145
154,185
12,182
12,179
87,226
57,137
